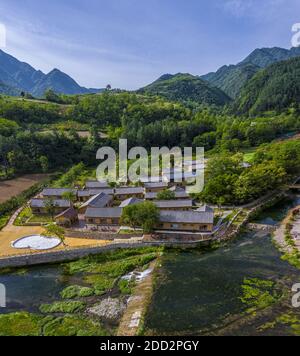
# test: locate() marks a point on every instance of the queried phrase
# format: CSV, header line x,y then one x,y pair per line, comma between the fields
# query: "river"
x,y
197,292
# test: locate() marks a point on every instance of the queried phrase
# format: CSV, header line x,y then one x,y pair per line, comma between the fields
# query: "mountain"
x,y
231,79
16,76
59,82
275,88
186,87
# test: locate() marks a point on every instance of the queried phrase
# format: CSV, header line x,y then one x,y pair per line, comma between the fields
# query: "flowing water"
x,y
200,292
197,292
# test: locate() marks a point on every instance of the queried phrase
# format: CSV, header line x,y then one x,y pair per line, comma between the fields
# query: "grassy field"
x,y
14,187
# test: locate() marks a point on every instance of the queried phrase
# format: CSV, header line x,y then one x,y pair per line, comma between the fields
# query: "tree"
x,y
70,196
44,163
145,215
50,207
166,195
52,230
50,95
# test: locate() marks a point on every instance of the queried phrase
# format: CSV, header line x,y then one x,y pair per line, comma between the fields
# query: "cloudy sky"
x,y
130,43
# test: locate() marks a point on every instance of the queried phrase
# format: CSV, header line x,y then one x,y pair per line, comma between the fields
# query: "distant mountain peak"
x,y
20,76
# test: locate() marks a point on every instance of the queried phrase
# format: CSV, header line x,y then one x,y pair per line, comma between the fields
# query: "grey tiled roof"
x,y
92,192
156,185
94,184
129,190
98,201
187,217
57,191
162,204
41,203
103,213
205,208
130,201
178,195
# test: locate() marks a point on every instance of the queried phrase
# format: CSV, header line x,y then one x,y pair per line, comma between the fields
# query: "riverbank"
x,y
285,241
133,318
85,297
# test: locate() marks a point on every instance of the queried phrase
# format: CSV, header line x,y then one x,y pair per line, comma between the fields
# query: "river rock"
x,y
110,309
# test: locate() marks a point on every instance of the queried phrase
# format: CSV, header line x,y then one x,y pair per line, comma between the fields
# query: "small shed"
x,y
67,217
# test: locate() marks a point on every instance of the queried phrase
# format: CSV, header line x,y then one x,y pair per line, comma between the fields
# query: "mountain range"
x,y
231,79
226,85
17,77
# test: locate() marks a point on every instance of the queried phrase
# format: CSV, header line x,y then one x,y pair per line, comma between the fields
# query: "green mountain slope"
x,y
231,79
275,88
186,87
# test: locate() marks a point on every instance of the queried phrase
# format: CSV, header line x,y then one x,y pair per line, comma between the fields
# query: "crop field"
x,y
13,187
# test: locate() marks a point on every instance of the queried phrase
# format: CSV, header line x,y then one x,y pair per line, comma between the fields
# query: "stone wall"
x,y
97,235
73,254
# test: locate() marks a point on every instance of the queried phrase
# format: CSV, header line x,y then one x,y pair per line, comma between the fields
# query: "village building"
x,y
186,221
130,201
155,187
39,206
67,218
57,193
129,192
94,184
174,204
95,217
100,200
86,194
180,193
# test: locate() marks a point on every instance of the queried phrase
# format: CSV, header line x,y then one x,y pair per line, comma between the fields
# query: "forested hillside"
x,y
275,88
185,88
232,79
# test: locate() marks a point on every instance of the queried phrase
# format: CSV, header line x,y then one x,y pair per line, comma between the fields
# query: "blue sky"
x,y
129,43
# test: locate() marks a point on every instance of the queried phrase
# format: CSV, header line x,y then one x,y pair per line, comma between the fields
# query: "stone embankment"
x,y
75,253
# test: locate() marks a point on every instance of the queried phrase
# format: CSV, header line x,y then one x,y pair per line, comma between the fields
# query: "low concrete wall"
x,y
70,255
97,235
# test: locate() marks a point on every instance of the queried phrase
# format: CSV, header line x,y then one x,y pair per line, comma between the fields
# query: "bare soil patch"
x,y
13,187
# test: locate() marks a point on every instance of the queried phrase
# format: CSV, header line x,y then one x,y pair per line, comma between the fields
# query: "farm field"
x,y
14,187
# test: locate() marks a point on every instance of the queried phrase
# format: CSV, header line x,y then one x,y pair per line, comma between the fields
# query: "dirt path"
x,y
137,305
279,234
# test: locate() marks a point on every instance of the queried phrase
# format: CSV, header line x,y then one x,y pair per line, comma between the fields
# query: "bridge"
x,y
261,227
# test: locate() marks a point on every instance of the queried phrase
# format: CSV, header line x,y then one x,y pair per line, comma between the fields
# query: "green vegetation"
x,y
145,215
274,88
53,230
228,182
166,195
26,324
14,203
72,325
72,292
126,286
186,87
258,294
20,324
62,307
